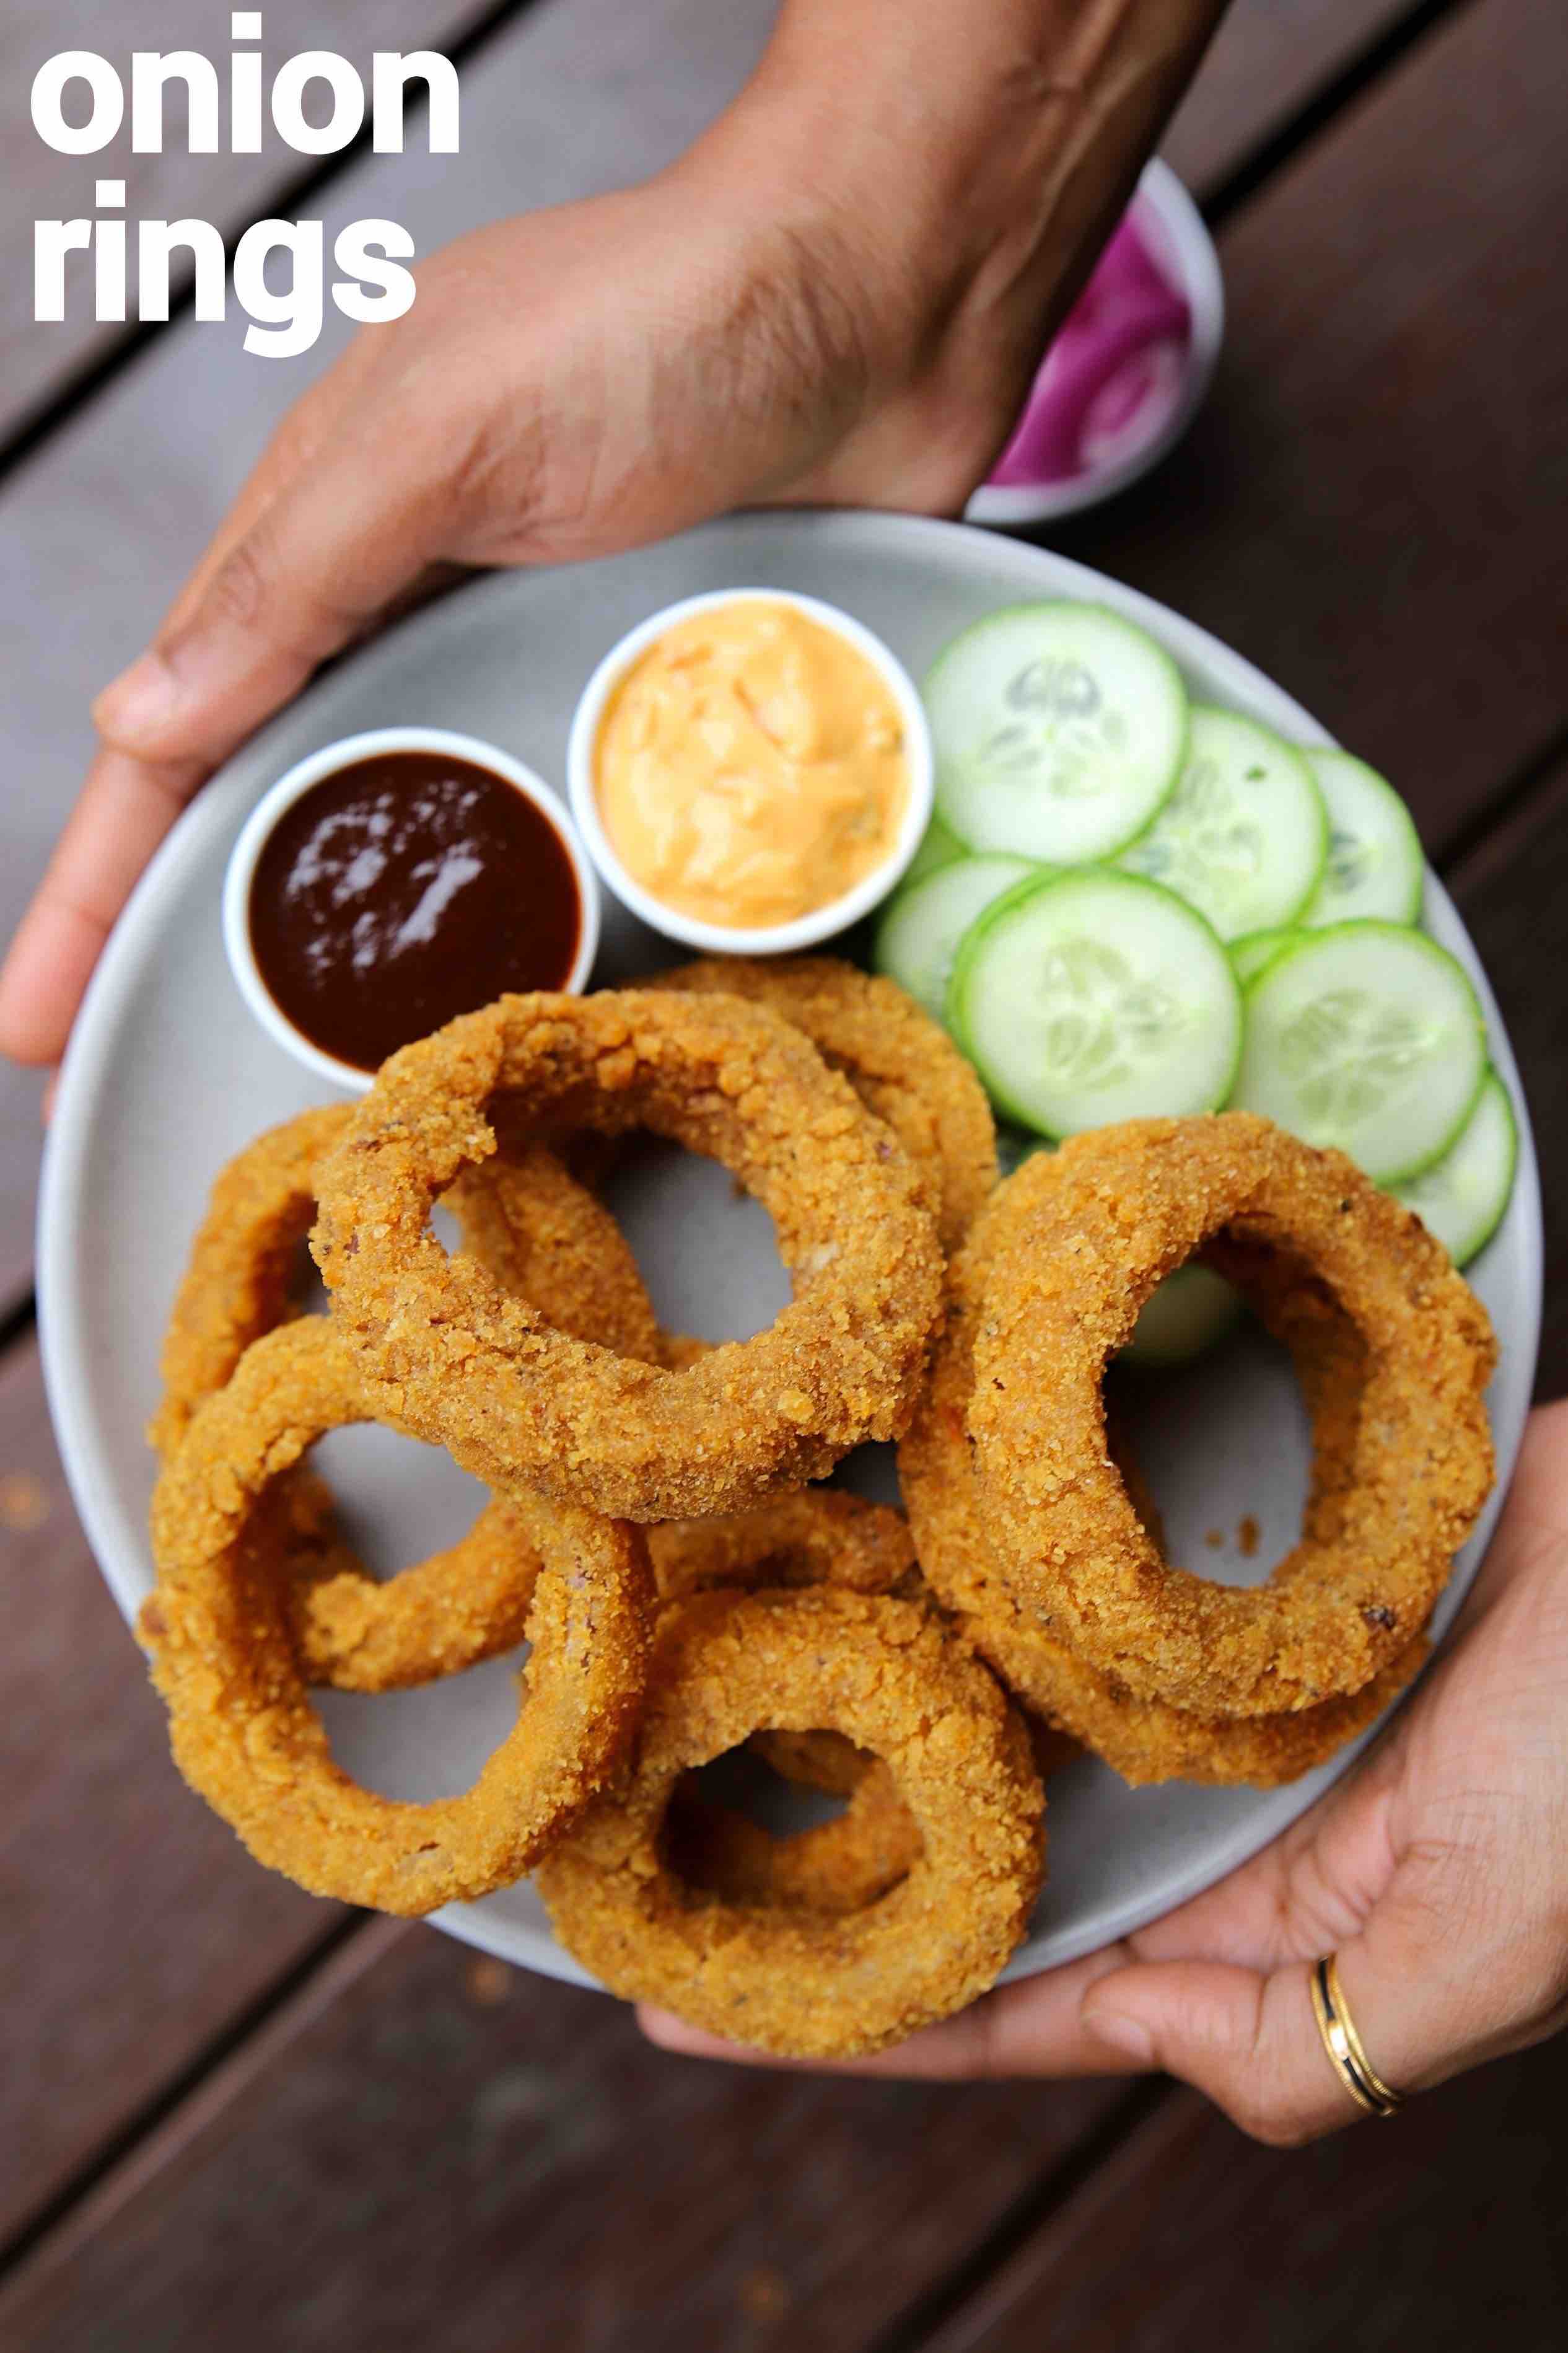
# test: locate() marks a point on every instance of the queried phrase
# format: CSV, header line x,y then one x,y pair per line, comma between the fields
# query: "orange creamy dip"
x,y
750,766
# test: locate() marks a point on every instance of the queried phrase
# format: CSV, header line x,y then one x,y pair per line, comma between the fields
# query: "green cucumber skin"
x,y
1304,943
896,913
939,847
1475,1241
972,943
953,1015
946,767
1254,952
1320,912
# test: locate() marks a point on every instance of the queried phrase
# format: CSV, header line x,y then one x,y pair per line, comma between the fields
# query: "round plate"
x,y
168,1075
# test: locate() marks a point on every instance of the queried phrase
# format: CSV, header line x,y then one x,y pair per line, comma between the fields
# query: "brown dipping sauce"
x,y
402,890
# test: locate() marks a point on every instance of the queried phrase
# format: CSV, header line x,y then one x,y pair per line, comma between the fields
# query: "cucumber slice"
x,y
1243,836
1059,730
1191,1308
1255,949
1369,1037
1376,864
1461,1197
1093,996
938,848
918,936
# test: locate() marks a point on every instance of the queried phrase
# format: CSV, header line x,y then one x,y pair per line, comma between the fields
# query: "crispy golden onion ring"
x,y
820,1535
837,1866
519,1403
538,1233
1144,1740
816,1536
902,1065
811,1985
1078,1240
242,1727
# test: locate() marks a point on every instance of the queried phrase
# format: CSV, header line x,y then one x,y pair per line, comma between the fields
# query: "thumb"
x,y
1250,2043
351,533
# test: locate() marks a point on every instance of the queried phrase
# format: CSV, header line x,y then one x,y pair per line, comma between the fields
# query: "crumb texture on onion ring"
x,y
811,1985
445,1350
902,1065
1074,1244
242,1727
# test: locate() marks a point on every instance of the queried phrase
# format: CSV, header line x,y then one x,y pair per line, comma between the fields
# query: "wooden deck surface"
x,y
232,2115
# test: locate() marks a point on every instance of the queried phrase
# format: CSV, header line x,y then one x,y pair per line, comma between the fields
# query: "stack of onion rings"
x,y
243,1730
1034,1541
537,1231
813,1985
447,1350
901,1064
818,1536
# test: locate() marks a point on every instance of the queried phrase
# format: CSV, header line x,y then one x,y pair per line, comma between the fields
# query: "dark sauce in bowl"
x,y
402,890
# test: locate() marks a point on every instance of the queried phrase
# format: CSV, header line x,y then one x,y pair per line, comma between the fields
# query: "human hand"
x,y
1437,1871
838,296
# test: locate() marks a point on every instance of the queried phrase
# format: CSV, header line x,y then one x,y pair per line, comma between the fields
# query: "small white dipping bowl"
x,y
1185,252
328,761
773,939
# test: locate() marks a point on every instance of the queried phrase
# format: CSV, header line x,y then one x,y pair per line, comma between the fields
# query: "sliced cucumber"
x,y
918,936
1375,865
1243,835
938,848
1059,728
1093,996
1255,949
1191,1308
1367,1036
1461,1197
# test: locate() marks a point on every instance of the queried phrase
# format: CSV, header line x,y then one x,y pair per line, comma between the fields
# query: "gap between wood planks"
x,y
1234,190
1338,90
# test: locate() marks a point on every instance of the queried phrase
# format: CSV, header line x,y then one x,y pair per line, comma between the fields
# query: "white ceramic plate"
x,y
168,1075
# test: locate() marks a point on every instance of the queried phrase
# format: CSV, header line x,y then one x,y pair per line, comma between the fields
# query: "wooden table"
x,y
232,2115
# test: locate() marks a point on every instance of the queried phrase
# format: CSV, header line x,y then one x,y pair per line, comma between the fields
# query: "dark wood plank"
x,y
228,190
1511,891
1446,2228
1374,505
136,1928
1269,59
453,2153
21,1140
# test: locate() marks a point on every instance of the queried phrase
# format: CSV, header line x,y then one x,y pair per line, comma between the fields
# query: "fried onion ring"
x,y
801,1984
1144,1740
1081,1238
242,1727
837,1866
521,1404
820,1535
539,1232
902,1065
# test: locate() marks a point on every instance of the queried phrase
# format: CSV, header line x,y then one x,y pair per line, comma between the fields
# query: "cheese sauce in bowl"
x,y
751,771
